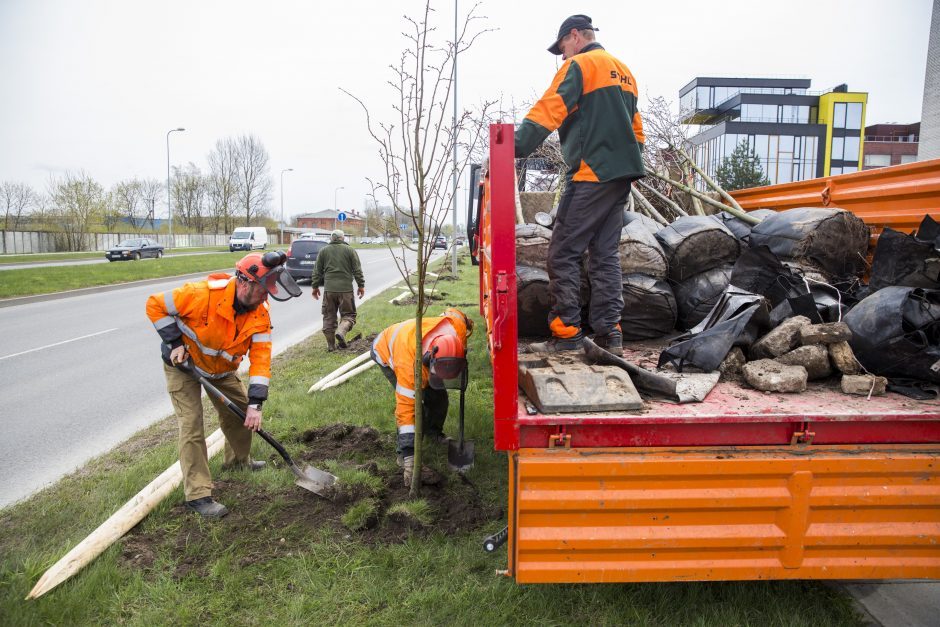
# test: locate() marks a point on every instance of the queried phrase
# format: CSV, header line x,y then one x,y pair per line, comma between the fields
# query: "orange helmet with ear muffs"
x,y
268,270
445,359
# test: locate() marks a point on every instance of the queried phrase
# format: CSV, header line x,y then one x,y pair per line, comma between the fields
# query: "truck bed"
x,y
736,414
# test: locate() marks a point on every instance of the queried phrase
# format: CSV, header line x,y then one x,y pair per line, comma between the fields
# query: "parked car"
x,y
134,249
302,256
440,242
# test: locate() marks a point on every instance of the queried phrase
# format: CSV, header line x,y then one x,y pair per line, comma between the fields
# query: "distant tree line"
x,y
235,190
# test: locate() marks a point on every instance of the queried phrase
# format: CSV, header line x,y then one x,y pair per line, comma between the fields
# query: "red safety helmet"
x,y
269,271
446,361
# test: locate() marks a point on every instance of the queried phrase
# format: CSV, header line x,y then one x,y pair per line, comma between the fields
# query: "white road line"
x,y
74,339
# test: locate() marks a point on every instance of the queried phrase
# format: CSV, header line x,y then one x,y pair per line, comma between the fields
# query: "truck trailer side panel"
x,y
656,514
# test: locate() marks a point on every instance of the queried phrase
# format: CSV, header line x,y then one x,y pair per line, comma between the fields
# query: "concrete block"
x,y
828,333
843,358
814,358
730,367
768,375
781,340
864,384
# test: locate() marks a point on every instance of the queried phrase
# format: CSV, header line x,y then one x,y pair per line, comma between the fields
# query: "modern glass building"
x,y
798,134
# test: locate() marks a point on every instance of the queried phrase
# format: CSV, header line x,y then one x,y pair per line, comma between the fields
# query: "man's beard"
x,y
241,307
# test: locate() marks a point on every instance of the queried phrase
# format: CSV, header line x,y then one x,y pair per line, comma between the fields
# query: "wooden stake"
x,y
743,215
672,205
118,524
349,365
345,377
647,207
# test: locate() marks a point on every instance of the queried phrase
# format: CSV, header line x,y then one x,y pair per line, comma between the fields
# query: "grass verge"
x,y
49,279
274,561
36,257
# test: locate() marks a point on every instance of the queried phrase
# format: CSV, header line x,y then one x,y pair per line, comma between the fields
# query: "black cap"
x,y
581,22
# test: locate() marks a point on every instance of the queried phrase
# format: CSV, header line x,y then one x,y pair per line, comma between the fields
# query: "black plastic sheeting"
x,y
832,240
896,333
696,296
640,252
759,271
737,319
695,244
533,301
738,227
651,225
649,308
907,260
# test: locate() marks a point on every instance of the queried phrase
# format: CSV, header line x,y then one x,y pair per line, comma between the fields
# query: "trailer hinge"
x,y
502,309
502,284
563,439
802,437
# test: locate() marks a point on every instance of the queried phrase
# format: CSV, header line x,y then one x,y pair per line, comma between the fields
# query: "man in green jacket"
x,y
592,103
337,266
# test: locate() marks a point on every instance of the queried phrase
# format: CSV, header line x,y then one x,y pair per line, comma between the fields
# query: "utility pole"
x,y
169,207
282,202
453,236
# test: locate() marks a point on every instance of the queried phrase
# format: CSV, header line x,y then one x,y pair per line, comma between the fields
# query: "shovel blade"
x,y
460,455
314,480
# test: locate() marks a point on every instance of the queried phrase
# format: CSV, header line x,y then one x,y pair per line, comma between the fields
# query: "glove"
x,y
408,469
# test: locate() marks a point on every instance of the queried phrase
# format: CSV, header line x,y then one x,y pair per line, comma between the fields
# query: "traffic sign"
x,y
341,216
403,226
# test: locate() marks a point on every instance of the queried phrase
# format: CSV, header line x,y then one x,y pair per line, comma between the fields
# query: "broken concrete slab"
x,y
826,333
781,340
731,365
843,359
864,384
768,375
559,383
814,358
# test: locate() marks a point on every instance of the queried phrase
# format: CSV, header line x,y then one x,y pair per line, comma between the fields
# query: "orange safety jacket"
x,y
592,102
395,349
201,315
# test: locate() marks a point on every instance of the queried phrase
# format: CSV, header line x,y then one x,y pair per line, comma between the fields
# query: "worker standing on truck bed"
x,y
337,265
592,102
215,323
444,350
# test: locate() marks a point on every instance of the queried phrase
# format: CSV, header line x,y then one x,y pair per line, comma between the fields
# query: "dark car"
x,y
134,249
440,242
302,256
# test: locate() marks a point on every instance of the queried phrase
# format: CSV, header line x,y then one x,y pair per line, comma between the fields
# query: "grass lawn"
x,y
47,279
33,258
286,557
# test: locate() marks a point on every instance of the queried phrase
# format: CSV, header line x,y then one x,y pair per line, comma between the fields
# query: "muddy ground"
x,y
265,523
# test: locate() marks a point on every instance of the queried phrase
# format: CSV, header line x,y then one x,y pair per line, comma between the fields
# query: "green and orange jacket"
x,y
592,103
201,315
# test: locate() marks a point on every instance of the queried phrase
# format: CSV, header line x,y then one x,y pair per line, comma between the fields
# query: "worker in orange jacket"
x,y
444,349
214,324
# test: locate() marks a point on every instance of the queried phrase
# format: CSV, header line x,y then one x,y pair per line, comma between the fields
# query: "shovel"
x,y
460,453
687,388
307,477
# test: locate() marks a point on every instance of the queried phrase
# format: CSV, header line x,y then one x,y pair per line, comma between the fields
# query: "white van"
x,y
248,238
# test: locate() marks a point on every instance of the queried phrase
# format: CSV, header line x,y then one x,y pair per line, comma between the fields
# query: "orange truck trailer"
x,y
744,485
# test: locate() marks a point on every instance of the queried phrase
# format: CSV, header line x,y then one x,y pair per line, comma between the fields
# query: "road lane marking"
x,y
74,339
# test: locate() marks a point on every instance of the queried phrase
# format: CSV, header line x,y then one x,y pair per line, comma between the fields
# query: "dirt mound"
x,y
358,345
264,524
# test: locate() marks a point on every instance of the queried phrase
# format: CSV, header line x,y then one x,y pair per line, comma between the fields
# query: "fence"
x,y
16,242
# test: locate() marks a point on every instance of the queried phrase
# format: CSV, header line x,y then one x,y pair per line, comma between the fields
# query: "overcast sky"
x,y
94,85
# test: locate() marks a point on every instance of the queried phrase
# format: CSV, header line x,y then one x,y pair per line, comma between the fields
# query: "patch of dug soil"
x,y
264,524
359,345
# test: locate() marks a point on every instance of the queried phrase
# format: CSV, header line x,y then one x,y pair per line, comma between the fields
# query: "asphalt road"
x,y
83,373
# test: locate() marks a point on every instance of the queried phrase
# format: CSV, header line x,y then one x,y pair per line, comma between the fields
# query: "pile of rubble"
x,y
779,303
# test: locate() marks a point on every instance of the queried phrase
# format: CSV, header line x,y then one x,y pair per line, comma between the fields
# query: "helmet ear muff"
x,y
273,258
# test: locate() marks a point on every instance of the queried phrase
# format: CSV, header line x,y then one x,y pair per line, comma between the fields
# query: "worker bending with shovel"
x,y
214,324
444,350
337,265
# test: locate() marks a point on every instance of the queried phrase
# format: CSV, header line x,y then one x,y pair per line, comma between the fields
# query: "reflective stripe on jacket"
x,y
592,102
202,315
395,348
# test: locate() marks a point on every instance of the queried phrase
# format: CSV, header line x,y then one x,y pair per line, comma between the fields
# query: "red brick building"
x,y
890,144
326,220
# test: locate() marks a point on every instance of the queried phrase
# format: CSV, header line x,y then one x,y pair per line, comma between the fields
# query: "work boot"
x,y
437,437
330,342
408,469
251,465
207,507
341,332
611,342
559,344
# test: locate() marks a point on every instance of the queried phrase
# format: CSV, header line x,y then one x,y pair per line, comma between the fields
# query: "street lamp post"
x,y
282,202
335,208
169,207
